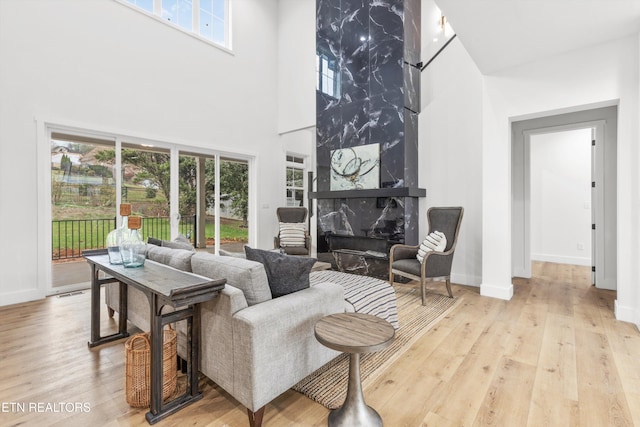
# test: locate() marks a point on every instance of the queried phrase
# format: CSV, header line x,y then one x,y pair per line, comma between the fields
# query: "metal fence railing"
x,y
72,236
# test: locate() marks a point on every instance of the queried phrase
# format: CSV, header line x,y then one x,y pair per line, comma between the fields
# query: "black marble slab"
x,y
368,96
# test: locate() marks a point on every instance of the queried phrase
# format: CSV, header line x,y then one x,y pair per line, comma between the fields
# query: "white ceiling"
x,y
499,34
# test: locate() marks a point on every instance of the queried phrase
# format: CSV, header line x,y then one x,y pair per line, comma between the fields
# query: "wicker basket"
x,y
137,369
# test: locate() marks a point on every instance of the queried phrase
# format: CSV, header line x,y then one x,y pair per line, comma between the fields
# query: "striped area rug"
x,y
366,294
328,384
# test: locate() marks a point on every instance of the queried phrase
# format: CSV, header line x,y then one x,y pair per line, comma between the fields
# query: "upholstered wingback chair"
x,y
292,223
435,264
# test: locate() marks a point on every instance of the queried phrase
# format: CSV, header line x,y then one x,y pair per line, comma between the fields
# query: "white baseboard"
x,y
627,314
466,280
69,288
494,291
559,259
17,297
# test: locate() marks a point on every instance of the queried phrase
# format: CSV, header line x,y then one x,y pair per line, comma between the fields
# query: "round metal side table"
x,y
354,333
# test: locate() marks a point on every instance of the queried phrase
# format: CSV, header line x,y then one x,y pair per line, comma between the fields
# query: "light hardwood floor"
x,y
552,356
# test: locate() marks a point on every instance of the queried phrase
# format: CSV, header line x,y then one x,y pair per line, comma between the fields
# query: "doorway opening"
x,y
535,231
560,183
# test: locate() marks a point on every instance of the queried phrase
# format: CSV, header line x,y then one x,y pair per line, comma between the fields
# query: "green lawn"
x,y
71,237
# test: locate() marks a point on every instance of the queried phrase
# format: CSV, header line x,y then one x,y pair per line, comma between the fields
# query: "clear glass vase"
x,y
117,236
133,250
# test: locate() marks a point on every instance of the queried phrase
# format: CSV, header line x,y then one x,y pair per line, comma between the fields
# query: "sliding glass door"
x,y
202,196
219,214
234,204
83,194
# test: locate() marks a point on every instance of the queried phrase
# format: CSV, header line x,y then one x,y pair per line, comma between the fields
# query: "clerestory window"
x,y
208,19
328,74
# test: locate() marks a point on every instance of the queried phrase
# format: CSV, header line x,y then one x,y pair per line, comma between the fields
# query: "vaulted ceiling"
x,y
499,34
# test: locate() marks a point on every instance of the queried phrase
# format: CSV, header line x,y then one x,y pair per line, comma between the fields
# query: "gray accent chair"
x,y
403,261
293,215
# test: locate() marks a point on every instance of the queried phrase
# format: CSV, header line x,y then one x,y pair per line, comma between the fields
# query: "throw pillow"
x,y
285,273
292,233
154,241
435,241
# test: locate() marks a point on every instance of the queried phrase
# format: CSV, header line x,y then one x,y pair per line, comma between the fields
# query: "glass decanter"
x,y
133,249
115,237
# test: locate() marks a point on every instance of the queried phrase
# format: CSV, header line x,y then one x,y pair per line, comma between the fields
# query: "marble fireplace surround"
x,y
368,86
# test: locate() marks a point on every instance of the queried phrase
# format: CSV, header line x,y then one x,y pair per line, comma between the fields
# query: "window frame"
x,y
327,74
195,21
46,127
291,163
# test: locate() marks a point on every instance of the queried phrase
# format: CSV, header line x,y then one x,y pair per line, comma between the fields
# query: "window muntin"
x,y
180,12
212,20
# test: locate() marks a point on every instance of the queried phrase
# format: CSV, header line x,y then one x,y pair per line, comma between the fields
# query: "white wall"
x,y
101,65
596,76
450,151
296,64
561,197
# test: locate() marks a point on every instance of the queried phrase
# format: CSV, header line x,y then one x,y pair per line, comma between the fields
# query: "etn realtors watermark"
x,y
44,407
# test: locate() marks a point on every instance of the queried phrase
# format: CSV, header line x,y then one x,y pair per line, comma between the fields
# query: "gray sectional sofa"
x,y
254,346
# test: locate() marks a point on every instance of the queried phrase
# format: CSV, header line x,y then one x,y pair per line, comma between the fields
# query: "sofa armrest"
x,y
275,345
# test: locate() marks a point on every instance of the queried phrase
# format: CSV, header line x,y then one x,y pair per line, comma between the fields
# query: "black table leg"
x,y
158,408
96,284
193,336
122,314
157,339
95,306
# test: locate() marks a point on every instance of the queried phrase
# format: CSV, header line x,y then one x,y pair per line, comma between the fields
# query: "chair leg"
x,y
390,276
448,283
423,288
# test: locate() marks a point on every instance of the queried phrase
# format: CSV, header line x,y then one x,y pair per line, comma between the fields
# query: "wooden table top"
x,y
174,285
354,332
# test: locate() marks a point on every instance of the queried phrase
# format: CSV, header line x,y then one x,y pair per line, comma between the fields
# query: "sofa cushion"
x,y
286,274
248,276
242,255
222,252
176,258
179,242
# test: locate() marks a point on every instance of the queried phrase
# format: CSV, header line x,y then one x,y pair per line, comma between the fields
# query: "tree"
x,y
234,187
188,185
155,168
65,165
